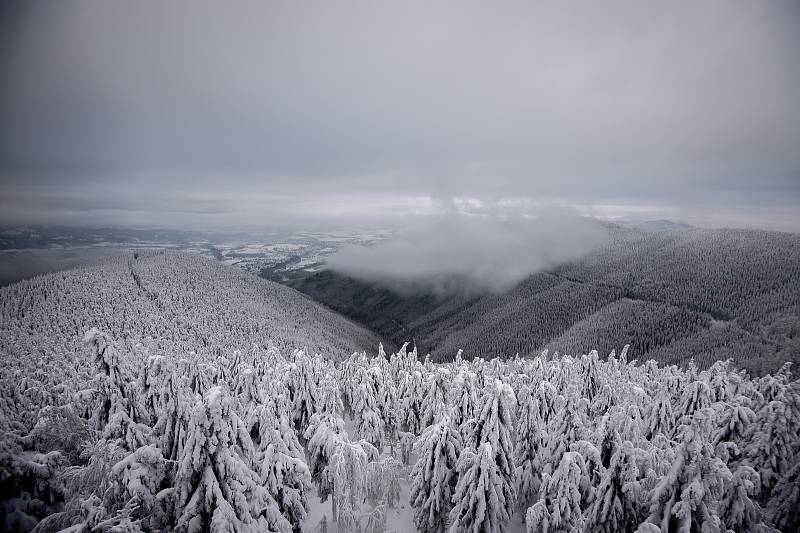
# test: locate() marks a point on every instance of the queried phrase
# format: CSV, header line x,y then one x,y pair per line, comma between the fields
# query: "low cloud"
x,y
456,251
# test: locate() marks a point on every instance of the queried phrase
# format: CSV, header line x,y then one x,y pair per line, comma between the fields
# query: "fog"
x,y
458,252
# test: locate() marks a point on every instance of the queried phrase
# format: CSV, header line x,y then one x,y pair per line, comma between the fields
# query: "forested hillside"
x,y
165,301
707,294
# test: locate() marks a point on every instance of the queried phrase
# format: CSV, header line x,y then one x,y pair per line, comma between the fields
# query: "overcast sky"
x,y
223,114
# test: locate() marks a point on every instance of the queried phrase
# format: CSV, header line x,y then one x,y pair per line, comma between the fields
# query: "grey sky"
x,y
248,113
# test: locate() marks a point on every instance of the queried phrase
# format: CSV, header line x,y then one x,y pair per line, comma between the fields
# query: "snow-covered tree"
x,y
494,425
303,387
434,476
412,392
434,405
561,498
770,448
463,398
616,501
738,510
783,508
695,397
113,380
660,418
480,502
325,434
528,447
349,473
367,410
216,488
281,464
688,495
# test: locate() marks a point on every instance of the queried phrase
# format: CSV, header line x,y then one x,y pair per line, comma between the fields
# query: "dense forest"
x,y
672,295
162,391
168,302
262,441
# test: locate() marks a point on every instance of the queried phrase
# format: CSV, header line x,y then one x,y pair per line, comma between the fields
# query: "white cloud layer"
x,y
457,251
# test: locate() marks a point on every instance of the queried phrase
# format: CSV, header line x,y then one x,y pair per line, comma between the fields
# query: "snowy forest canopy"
x,y
261,441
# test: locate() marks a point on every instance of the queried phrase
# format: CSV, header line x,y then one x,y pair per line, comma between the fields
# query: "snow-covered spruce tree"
x,y
411,393
434,405
367,411
113,379
769,449
738,511
324,434
734,422
303,389
695,397
149,385
216,488
565,427
173,405
528,446
434,476
591,383
281,463
660,419
545,398
481,502
463,398
616,501
388,402
140,477
494,425
783,509
602,402
348,468
330,399
561,498
245,388
688,496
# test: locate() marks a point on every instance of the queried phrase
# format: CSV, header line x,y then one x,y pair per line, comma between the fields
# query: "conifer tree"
x,y
688,495
434,476
281,465
434,405
528,446
770,448
660,419
738,511
561,497
615,504
463,398
412,393
480,502
783,508
216,488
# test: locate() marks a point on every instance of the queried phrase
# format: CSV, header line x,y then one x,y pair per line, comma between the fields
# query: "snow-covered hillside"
x,y
672,295
160,392
164,302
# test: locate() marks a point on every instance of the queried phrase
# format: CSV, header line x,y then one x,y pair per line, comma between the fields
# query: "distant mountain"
x,y
166,303
660,225
24,237
707,294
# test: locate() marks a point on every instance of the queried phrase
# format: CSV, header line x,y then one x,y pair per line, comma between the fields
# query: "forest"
x,y
672,295
259,440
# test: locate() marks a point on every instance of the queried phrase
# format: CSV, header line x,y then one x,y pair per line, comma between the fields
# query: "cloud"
x,y
147,107
457,251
